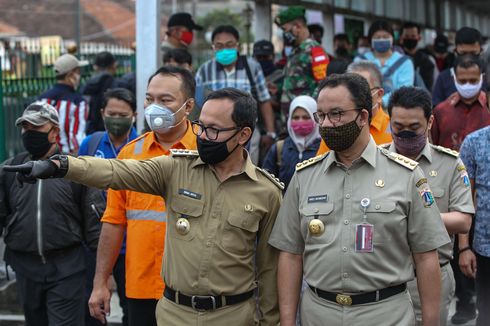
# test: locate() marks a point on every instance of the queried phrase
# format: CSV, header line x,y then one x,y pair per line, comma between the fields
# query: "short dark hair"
x,y
468,35
357,86
312,28
180,56
188,81
244,106
104,60
341,37
121,94
379,25
409,97
225,29
466,61
408,25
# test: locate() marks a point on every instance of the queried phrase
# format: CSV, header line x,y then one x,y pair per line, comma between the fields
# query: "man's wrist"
x,y
272,134
461,250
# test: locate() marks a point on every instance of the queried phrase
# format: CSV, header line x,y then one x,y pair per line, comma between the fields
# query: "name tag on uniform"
x,y
189,193
318,199
364,238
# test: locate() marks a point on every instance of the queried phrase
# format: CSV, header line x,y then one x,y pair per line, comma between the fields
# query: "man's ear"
x,y
244,135
189,106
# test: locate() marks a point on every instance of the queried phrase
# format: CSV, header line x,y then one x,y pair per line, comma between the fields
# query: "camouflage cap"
x,y
38,114
290,14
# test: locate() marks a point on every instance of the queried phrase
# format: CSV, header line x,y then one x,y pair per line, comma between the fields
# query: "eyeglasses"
x,y
227,45
333,116
211,132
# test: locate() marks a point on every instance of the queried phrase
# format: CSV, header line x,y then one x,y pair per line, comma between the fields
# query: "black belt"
x,y
348,300
205,302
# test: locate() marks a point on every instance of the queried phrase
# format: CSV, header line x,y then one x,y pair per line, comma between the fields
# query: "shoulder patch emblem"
x,y
400,159
183,153
463,175
445,150
425,192
311,161
272,178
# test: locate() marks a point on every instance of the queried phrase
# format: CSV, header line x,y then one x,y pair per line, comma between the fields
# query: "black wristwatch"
x,y
63,168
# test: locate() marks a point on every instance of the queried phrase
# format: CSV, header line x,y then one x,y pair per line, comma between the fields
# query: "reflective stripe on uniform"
x,y
146,215
138,146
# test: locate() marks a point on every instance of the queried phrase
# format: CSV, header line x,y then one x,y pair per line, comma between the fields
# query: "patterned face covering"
x,y
342,137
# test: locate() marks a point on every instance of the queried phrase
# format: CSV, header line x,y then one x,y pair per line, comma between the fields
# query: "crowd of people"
x,y
380,151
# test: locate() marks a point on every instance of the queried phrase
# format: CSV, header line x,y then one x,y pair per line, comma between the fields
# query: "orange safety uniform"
x,y
379,129
145,218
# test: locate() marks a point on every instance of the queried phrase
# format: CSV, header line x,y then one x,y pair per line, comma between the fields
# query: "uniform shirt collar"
x,y
426,152
368,155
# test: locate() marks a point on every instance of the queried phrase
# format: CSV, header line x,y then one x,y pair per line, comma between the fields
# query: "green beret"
x,y
290,14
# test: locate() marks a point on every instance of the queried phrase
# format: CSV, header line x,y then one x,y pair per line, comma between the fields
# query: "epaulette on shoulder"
x,y
184,153
445,150
272,178
311,161
385,146
400,159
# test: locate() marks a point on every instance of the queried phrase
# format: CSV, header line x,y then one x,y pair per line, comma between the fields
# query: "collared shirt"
x,y
445,173
401,210
379,129
225,251
475,153
453,120
403,76
105,149
145,216
444,86
212,76
73,113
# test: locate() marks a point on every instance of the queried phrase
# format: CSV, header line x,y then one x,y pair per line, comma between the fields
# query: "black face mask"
x,y
268,67
410,43
289,38
213,152
36,143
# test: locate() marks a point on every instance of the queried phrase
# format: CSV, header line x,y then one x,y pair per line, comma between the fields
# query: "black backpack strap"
x,y
250,79
94,142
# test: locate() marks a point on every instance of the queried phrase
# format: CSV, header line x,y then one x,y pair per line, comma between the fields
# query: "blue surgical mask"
x,y
381,45
160,118
226,56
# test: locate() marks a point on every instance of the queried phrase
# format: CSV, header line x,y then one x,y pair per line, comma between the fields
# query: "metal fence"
x,y
27,71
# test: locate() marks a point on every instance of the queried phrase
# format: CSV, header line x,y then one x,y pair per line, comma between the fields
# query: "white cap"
x,y
67,63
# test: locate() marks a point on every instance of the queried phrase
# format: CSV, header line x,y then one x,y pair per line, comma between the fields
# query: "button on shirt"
x,y
453,120
226,250
446,176
475,153
402,223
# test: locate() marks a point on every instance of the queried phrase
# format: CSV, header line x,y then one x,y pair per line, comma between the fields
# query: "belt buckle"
x,y
344,300
194,303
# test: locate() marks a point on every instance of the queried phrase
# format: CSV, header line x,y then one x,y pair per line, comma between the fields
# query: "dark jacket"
x,y
425,67
95,88
48,216
289,159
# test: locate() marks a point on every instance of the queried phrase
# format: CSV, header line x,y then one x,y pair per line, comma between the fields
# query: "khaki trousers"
x,y
447,294
169,314
394,311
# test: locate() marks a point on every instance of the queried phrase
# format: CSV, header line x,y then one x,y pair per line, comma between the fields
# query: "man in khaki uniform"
x,y
221,210
351,221
410,110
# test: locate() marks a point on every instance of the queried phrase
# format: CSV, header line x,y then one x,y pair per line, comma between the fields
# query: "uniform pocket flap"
x,y
246,221
381,207
317,209
438,192
189,207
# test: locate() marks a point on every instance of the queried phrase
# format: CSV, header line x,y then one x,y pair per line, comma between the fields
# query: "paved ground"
x,y
11,314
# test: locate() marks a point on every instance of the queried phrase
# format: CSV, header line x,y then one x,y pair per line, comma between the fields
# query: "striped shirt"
x,y
211,76
73,112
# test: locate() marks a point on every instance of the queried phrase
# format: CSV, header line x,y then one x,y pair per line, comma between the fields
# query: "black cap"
x,y
183,19
441,43
104,59
263,48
